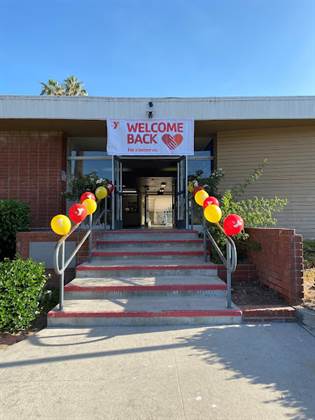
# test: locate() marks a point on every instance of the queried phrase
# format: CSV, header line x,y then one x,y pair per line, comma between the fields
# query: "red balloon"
x,y
110,187
210,200
233,224
196,189
86,195
77,213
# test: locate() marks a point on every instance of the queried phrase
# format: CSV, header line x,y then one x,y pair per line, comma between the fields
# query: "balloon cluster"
x,y
232,224
61,224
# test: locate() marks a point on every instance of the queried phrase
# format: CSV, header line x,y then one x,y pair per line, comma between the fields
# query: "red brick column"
x,y
279,262
31,165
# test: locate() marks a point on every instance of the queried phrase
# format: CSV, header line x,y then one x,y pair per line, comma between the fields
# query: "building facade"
x,y
45,142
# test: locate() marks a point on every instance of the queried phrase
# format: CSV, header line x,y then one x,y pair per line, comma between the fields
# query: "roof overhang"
x,y
86,116
92,128
100,109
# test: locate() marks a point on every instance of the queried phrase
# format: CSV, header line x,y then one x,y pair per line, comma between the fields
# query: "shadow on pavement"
x,y
279,357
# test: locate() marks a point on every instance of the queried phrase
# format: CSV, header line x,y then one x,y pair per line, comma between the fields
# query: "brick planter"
x,y
279,262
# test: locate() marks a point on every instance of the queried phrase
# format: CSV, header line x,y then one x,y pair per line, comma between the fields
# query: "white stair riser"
x,y
126,293
140,321
148,236
133,272
142,258
168,246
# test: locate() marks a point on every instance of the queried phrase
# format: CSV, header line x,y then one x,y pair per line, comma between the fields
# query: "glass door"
x,y
117,202
181,197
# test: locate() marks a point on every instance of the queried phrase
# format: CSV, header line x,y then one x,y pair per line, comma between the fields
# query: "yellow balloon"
x,y
200,197
101,192
60,224
90,205
213,213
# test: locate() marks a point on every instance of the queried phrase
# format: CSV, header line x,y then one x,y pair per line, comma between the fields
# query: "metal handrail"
x,y
64,264
230,261
102,213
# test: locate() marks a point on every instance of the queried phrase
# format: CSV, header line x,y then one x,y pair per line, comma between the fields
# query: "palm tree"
x,y
52,87
71,86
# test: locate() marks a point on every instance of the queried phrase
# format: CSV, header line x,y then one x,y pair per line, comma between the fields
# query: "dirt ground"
x,y
255,293
309,288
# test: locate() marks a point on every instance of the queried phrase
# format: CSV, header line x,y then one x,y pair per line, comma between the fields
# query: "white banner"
x,y
150,137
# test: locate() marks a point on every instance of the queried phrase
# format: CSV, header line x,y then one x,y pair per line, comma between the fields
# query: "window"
x,y
87,155
202,159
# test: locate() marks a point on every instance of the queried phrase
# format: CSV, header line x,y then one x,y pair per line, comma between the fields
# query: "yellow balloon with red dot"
x,y
200,197
213,213
60,224
90,205
101,193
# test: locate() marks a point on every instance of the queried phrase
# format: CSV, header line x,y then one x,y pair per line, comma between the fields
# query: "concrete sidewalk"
x,y
229,372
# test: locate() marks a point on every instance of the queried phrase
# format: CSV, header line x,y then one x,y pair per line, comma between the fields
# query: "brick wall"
x,y
279,263
30,170
244,272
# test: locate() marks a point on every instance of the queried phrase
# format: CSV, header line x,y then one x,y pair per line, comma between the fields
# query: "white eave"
x,y
102,108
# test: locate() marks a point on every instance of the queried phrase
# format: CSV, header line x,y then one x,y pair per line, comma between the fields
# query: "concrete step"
x,y
145,310
101,288
152,245
148,267
148,235
142,255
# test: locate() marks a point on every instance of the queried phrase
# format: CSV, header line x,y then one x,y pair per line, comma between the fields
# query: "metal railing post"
x,y
60,267
91,235
204,239
228,275
192,214
105,218
62,277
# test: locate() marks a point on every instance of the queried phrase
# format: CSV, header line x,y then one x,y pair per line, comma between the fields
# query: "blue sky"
x,y
161,47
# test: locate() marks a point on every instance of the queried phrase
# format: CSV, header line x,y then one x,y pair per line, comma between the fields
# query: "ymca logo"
x,y
115,124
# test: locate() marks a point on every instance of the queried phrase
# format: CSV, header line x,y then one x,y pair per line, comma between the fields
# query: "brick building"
x,y
45,141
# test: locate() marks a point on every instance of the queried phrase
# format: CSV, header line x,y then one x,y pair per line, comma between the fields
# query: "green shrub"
x,y
14,217
256,211
21,286
78,185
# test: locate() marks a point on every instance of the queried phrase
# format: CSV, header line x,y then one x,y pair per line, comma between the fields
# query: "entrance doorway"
x,y
150,192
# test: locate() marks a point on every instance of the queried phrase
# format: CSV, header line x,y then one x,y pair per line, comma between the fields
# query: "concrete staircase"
x,y
145,277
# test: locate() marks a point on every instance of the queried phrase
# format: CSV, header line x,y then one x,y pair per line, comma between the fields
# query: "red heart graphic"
x,y
172,141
